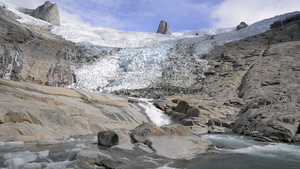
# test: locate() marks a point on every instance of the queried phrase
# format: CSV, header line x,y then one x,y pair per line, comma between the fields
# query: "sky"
x,y
181,15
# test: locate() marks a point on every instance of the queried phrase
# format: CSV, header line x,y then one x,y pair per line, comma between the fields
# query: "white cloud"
x,y
232,12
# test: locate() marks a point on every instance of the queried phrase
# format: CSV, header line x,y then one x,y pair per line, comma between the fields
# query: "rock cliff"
x,y
47,12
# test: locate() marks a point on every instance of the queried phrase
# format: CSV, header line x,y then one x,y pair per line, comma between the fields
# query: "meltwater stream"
x,y
236,152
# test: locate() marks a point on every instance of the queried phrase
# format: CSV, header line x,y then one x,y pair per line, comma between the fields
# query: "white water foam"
x,y
156,116
230,141
274,150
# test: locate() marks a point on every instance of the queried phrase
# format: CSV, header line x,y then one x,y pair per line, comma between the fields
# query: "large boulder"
x,y
164,28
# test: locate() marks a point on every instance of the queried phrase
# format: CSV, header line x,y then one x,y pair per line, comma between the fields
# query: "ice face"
x,y
131,68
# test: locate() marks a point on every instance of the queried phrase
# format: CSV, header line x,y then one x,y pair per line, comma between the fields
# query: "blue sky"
x,y
145,15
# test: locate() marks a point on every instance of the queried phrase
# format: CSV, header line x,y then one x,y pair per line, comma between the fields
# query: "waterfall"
x,y
156,116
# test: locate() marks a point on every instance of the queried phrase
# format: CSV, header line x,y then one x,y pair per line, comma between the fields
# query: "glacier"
x,y
143,58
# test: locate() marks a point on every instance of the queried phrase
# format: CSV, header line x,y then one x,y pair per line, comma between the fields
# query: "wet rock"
x,y
178,147
92,157
160,105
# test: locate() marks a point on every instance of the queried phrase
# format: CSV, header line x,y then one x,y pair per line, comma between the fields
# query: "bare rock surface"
x,y
179,147
30,112
171,141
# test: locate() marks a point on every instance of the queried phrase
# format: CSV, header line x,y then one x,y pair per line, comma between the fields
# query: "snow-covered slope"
x,y
145,56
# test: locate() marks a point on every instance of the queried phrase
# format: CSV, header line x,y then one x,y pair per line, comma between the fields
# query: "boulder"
x,y
146,130
164,28
182,107
193,112
142,132
108,138
241,26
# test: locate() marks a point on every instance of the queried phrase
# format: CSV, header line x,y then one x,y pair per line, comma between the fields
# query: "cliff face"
x,y
259,76
33,54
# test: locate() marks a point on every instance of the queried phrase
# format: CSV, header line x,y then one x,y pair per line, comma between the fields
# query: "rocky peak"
x,y
241,26
164,28
47,12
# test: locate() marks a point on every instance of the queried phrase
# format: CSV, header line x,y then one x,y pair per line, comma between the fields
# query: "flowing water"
x,y
236,152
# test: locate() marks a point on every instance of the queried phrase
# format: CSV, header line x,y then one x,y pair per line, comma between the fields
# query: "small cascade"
x,y
156,116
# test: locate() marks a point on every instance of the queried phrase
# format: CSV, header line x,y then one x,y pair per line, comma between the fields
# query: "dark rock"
x,y
108,138
242,25
193,112
164,28
281,23
182,107
177,116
